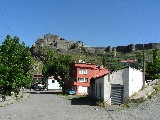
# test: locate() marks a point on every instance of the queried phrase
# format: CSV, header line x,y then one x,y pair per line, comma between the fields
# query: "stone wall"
x,y
133,47
95,49
57,42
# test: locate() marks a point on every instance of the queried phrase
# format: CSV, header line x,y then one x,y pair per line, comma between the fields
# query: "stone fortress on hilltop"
x,y
58,43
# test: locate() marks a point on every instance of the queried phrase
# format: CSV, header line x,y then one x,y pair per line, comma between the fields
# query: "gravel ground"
x,y
42,106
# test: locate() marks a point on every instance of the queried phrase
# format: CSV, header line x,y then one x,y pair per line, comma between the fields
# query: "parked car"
x,y
70,92
39,86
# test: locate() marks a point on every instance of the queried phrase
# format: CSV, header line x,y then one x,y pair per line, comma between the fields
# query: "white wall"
x,y
98,82
54,85
129,77
135,80
105,90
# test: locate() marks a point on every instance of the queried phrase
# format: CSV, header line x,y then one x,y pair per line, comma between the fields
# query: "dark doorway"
x,y
117,91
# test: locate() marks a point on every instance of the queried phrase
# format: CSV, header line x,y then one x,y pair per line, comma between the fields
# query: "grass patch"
x,y
151,95
133,102
102,104
126,105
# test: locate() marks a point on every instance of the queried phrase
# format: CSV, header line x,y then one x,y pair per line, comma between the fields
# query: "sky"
x,y
97,23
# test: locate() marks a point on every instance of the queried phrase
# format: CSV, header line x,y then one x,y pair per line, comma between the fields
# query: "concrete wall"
x,y
99,82
116,77
121,77
131,79
125,78
107,90
135,81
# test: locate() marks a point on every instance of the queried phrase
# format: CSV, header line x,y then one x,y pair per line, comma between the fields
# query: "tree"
x,y
153,68
15,65
58,66
47,67
139,58
104,60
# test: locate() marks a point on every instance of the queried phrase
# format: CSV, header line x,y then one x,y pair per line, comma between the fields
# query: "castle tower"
x,y
133,47
114,51
109,49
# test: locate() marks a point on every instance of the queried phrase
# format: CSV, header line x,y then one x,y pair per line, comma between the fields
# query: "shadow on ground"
x,y
83,101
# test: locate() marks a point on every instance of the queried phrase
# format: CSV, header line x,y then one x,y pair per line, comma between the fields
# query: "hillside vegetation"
x,y
108,59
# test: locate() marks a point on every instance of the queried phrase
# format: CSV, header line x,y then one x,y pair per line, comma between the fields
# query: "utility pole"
x,y
143,68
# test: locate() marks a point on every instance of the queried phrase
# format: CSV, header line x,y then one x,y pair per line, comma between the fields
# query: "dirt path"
x,y
42,106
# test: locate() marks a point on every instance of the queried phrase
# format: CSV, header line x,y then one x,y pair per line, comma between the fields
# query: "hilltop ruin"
x,y
58,43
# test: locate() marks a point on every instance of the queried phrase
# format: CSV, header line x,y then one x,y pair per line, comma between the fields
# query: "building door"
x,y
117,94
82,90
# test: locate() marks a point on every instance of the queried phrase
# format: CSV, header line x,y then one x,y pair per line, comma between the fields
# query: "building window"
x,y
82,79
83,71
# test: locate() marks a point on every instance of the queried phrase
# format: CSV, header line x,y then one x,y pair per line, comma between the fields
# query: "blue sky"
x,y
98,23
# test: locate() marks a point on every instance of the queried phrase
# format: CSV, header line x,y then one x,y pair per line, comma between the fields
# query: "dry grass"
x,y
102,104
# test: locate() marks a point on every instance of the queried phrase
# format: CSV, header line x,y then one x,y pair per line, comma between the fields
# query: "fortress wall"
x,y
109,49
100,49
147,46
130,48
58,42
155,45
90,49
121,48
139,46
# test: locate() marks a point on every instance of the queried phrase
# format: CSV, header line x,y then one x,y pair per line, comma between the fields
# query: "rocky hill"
x,y
95,55
60,44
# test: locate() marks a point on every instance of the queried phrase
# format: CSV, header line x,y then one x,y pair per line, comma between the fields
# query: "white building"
x,y
118,86
52,84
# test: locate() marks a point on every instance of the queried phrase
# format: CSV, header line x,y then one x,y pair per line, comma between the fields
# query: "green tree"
x,y
47,65
59,66
15,65
139,58
104,60
116,65
153,68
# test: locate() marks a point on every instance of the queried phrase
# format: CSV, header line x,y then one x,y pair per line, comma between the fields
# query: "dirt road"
x,y
43,106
